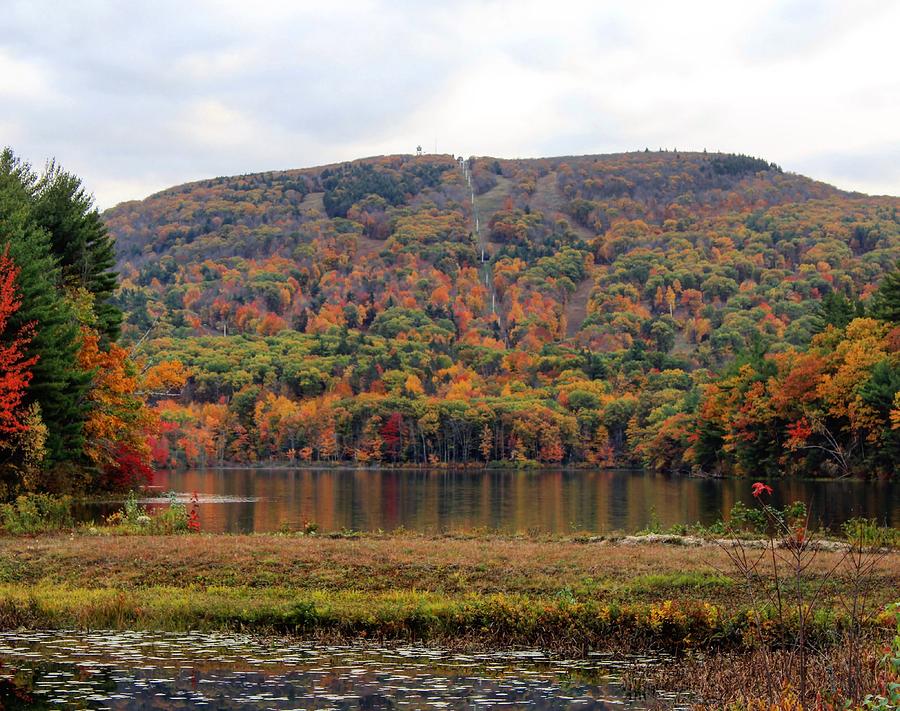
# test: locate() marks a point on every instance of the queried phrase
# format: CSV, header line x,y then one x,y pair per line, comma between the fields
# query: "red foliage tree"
x,y
129,470
15,373
391,434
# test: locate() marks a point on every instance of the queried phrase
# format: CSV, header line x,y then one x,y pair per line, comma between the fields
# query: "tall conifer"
x,y
80,241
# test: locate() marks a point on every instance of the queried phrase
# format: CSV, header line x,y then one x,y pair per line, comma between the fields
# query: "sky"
x,y
138,96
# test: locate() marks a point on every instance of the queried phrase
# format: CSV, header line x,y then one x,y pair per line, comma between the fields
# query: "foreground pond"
x,y
44,669
548,501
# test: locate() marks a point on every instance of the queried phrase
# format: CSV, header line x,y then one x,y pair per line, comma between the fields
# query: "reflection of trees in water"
x,y
17,685
555,501
375,685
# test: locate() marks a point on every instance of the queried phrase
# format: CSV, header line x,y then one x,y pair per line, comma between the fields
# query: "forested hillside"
x,y
673,310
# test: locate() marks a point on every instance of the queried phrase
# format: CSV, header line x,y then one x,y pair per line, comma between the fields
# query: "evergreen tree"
x,y
886,301
80,241
836,310
879,392
57,385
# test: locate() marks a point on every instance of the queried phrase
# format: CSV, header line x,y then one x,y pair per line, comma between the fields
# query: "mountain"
x,y
555,302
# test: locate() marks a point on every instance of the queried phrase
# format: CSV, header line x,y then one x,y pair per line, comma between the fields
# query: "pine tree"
x,y
80,241
886,301
836,310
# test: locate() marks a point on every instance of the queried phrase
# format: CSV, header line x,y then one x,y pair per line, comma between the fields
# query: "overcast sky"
x,y
137,96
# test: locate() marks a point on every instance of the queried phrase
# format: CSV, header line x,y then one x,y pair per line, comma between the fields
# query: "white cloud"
x,y
208,123
116,191
164,92
22,80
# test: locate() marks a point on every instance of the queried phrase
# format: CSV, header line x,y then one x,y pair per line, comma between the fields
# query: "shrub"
x,y
134,518
173,519
867,532
793,610
889,698
743,518
35,513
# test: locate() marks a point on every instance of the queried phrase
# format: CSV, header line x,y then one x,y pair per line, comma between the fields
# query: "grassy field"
x,y
493,200
484,590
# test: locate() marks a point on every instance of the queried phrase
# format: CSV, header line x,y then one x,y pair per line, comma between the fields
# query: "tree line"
x,y
73,415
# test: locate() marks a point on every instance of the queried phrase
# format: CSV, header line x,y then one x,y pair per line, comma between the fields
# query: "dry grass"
x,y
446,565
314,201
492,201
547,197
365,247
552,203
576,306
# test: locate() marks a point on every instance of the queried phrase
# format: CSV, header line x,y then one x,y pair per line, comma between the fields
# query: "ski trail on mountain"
x,y
484,255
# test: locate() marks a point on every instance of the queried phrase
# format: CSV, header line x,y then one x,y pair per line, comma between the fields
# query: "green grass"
x,y
675,583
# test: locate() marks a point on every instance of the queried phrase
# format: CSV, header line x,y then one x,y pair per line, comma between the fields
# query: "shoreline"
x,y
531,467
413,466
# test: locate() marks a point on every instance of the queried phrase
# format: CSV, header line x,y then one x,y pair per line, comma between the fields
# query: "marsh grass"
x,y
135,519
495,620
738,680
560,595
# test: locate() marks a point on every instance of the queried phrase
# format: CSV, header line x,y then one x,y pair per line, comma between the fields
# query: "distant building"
x,y
418,150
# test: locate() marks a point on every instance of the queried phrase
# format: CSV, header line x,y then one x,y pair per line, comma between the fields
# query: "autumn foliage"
x,y
601,313
15,365
676,311
119,421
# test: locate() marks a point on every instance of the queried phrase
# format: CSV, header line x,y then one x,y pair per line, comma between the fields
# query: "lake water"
x,y
547,501
124,670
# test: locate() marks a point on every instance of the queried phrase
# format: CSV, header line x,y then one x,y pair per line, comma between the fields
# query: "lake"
x,y
122,670
545,501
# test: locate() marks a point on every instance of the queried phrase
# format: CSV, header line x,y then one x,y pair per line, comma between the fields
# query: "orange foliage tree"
x,y
117,428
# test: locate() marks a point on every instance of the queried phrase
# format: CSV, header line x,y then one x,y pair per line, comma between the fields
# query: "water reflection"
x,y
47,669
248,500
